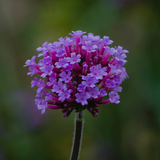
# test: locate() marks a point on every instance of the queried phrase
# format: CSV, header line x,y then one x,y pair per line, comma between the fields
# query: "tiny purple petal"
x,y
65,41
77,33
81,87
93,92
32,69
48,96
69,67
47,69
106,40
40,85
114,97
110,83
89,81
43,106
89,47
74,58
52,80
102,93
60,53
65,94
66,77
117,89
63,63
82,98
30,62
98,72
34,82
117,79
58,87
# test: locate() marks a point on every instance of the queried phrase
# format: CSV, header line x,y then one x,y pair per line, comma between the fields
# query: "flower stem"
x,y
77,140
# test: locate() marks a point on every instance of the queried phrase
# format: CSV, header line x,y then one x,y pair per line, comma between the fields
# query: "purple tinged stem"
x,y
77,66
53,95
92,112
83,54
106,57
95,60
75,70
102,50
99,97
56,70
112,60
50,102
55,99
70,48
67,51
53,56
70,100
47,87
64,110
104,102
39,72
53,107
94,54
104,80
88,57
106,88
99,58
77,42
72,87
37,66
97,110
67,114
80,48
84,71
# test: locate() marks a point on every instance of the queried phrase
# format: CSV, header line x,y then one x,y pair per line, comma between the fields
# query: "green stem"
x,y
77,140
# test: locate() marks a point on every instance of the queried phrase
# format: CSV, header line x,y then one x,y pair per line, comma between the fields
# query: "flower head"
x,y
77,72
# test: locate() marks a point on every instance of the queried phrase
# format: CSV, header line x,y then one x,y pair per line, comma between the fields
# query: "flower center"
x,y
95,73
82,98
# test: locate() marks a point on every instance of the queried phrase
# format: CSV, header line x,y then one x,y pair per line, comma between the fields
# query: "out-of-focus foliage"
x,y
129,130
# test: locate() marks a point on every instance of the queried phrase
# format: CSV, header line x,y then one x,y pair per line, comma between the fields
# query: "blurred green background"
x,y
127,131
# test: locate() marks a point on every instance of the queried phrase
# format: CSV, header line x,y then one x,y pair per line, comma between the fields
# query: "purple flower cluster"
x,y
77,72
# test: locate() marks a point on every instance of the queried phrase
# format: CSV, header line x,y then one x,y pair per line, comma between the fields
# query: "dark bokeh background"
x,y
127,131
